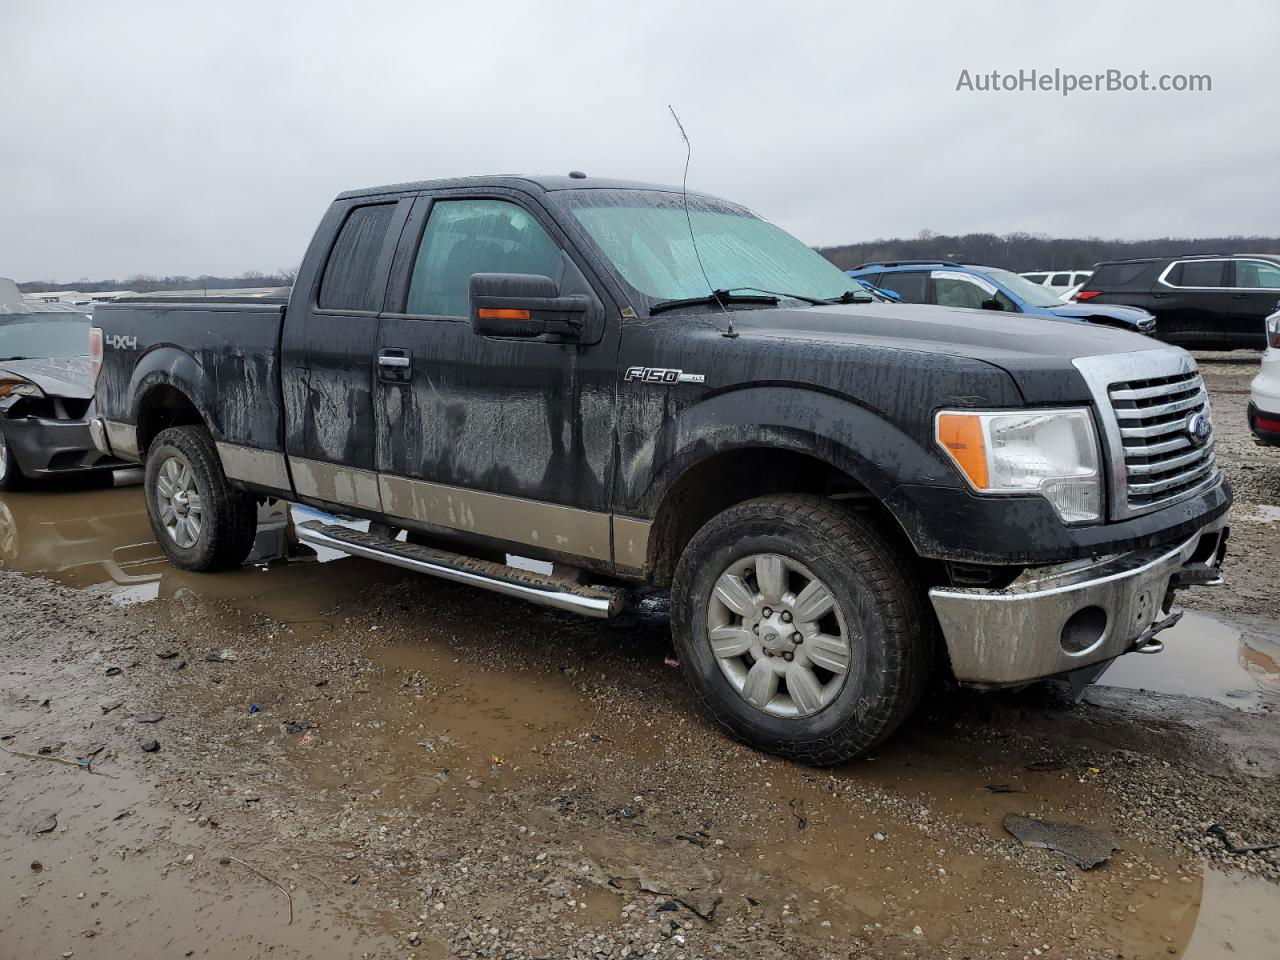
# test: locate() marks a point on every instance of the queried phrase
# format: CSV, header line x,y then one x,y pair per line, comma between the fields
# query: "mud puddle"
x,y
475,757
1237,664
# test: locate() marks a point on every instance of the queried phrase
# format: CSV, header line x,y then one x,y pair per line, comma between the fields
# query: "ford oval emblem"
x,y
1198,429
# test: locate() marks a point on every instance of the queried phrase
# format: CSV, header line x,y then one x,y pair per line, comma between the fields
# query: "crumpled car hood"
x,y
70,377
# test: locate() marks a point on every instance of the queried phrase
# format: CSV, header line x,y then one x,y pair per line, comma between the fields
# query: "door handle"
x,y
1239,296
1159,296
394,365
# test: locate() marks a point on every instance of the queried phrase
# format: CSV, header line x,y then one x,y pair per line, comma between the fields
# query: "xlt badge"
x,y
662,375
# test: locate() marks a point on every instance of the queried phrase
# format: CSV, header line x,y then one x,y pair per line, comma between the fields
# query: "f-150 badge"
x,y
662,375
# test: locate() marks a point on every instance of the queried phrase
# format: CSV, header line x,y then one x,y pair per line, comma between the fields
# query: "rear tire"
x,y
200,521
784,567
11,477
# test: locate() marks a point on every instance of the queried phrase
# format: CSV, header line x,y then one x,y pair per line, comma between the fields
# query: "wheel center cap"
x,y
180,504
775,635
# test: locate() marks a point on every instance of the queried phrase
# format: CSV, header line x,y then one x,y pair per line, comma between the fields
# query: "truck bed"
x,y
220,355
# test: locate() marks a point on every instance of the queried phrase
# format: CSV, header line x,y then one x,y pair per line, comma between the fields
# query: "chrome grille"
x,y
1162,462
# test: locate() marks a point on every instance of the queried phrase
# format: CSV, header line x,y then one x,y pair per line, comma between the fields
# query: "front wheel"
x,y
11,477
801,627
200,521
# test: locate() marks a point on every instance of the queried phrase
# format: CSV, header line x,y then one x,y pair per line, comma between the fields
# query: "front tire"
x,y
200,521
11,477
802,627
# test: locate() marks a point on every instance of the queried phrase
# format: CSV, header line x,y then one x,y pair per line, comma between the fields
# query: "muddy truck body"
x,y
843,495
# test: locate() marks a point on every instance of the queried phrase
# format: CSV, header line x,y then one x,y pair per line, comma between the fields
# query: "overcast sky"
x,y
174,138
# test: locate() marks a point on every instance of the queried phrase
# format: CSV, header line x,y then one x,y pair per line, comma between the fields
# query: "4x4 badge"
x,y
662,375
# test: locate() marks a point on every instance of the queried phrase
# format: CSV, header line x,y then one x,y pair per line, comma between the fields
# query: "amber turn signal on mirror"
x,y
503,313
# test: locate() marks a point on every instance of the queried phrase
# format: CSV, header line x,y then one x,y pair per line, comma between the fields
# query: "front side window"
x,y
645,235
1199,273
464,237
1257,275
349,281
1061,280
950,290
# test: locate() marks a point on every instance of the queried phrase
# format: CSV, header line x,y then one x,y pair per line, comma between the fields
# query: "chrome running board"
x,y
549,591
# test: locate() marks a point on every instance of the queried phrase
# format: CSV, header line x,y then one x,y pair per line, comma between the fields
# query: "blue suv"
x,y
949,284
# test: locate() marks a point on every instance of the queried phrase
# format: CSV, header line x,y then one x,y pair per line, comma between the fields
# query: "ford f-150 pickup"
x,y
638,386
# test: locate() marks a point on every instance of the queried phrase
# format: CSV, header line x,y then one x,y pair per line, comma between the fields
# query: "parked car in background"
x,y
1059,281
48,361
1213,302
1264,392
990,288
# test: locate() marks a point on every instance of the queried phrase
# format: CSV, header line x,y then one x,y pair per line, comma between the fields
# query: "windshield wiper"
x,y
720,297
814,301
4,359
852,296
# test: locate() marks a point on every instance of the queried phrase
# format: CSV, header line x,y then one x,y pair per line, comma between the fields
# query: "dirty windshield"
x,y
44,339
645,234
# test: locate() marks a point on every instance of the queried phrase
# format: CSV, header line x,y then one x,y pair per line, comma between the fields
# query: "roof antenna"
x,y
684,190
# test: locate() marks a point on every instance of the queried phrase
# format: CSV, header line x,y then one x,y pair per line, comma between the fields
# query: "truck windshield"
x,y
43,339
645,235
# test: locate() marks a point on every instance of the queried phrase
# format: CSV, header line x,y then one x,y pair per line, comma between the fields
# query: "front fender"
x,y
834,428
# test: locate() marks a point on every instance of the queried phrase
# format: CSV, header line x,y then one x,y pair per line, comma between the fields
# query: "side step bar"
x,y
549,591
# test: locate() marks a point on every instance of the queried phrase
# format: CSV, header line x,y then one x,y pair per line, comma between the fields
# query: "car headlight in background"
x,y
1050,452
12,386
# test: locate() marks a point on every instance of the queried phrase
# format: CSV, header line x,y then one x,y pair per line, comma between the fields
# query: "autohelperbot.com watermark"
x,y
1065,82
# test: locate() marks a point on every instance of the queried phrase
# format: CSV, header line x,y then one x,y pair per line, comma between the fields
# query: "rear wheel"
x,y
200,521
801,627
11,477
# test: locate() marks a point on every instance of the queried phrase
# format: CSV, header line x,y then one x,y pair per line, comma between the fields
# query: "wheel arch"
x,y
727,476
166,383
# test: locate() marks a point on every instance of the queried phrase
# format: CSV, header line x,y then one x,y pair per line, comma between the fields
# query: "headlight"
x,y
1050,452
11,386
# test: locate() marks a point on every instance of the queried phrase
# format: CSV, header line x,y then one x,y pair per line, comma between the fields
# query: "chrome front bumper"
x,y
1053,620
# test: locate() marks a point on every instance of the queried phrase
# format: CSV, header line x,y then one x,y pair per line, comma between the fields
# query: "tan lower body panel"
x,y
265,468
631,542
123,438
568,530
334,483
532,522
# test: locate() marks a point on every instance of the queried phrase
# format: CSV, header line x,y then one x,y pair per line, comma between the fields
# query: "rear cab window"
x,y
352,280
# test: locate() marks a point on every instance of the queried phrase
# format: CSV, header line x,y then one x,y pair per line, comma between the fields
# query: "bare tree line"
x,y
149,283
1034,251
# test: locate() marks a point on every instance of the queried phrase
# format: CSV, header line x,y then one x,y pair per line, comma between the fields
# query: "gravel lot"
x,y
354,762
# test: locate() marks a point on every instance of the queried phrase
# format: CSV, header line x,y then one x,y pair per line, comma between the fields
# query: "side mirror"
x,y
991,303
523,305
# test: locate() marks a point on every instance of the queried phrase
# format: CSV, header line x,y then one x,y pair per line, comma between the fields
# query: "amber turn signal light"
x,y
961,435
503,313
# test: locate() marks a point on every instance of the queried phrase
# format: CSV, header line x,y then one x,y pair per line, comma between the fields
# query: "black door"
x,y
504,439
1255,290
1191,303
328,379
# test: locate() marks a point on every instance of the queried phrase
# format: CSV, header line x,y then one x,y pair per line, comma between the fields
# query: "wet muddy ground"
x,y
351,761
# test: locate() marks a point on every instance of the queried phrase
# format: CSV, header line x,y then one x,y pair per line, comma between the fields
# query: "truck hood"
x,y
1035,352
69,377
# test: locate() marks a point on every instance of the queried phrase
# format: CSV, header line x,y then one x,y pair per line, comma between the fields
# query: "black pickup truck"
x,y
638,386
